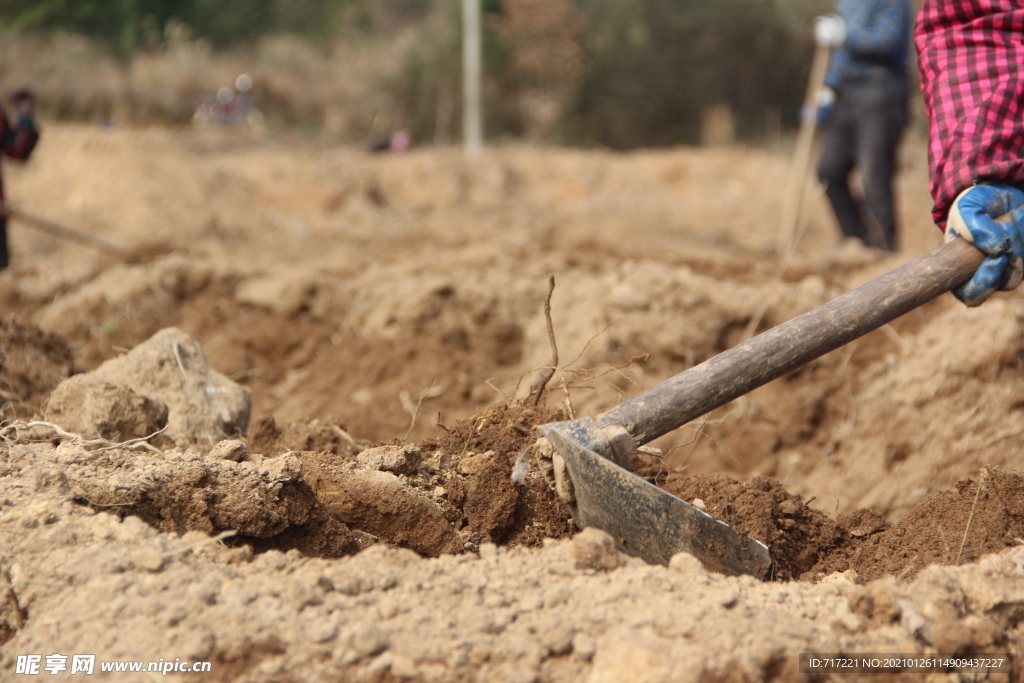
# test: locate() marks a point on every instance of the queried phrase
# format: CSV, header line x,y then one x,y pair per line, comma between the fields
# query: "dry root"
x,y
24,432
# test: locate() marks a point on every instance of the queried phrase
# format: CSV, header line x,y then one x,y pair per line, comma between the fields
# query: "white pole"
x,y
472,110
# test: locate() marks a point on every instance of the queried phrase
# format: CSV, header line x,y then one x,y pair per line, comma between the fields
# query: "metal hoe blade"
x,y
644,520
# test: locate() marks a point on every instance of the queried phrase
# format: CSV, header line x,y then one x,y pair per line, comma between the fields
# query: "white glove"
x,y
826,98
830,30
826,101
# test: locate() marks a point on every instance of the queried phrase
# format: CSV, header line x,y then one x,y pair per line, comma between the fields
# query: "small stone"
x,y
557,640
284,468
583,646
699,504
148,559
729,597
273,666
403,667
595,549
394,459
230,449
471,464
849,576
196,644
686,564
789,507
52,481
365,640
322,631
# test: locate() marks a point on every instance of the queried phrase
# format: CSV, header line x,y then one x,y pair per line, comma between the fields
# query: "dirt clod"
x,y
86,404
594,549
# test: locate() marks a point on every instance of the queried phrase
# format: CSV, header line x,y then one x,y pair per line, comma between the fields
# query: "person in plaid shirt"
x,y
18,137
971,54
867,83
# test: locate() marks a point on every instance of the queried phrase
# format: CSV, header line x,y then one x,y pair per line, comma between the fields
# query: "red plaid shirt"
x,y
971,57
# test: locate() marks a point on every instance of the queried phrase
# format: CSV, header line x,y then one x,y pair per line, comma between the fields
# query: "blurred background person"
x,y
864,109
18,137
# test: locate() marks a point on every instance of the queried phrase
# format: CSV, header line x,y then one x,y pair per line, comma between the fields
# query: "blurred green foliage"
x,y
126,24
652,67
651,71
614,73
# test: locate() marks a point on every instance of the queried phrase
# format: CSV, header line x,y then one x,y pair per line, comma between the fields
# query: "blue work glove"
x,y
972,218
826,104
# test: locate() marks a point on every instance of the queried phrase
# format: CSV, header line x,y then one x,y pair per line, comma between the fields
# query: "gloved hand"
x,y
826,102
972,218
830,30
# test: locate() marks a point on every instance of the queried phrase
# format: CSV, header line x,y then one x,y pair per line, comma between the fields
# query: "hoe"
x,y
649,522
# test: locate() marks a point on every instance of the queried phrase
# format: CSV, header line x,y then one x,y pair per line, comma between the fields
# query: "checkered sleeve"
x,y
971,61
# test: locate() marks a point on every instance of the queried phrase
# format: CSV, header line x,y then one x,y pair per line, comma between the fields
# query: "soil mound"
x,y
449,494
982,516
32,363
797,535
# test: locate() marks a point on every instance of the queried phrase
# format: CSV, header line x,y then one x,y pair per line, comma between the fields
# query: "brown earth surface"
x,y
387,315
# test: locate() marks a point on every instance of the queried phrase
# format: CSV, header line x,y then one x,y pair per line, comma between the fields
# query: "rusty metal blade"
x,y
646,521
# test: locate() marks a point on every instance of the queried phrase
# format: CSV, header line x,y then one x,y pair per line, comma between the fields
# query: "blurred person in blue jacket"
x,y
864,109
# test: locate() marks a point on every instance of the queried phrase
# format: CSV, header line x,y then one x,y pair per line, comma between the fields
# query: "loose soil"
x,y
950,527
386,313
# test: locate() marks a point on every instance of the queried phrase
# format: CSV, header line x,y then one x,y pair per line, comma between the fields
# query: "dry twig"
x,y
181,366
491,385
590,341
428,393
977,494
202,544
550,372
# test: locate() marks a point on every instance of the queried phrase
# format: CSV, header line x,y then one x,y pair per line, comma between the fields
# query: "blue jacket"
x,y
878,35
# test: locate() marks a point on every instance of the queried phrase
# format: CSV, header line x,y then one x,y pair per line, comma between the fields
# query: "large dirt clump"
x,y
163,387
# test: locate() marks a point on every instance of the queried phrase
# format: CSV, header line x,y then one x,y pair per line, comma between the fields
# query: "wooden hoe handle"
x,y
790,345
59,230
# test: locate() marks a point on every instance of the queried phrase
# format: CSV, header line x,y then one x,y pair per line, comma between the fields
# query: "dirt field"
x,y
364,330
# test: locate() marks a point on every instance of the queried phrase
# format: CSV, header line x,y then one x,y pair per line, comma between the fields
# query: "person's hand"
x,y
973,219
826,101
830,30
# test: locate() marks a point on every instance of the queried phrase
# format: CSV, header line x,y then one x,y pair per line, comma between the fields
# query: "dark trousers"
x,y
4,257
865,131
